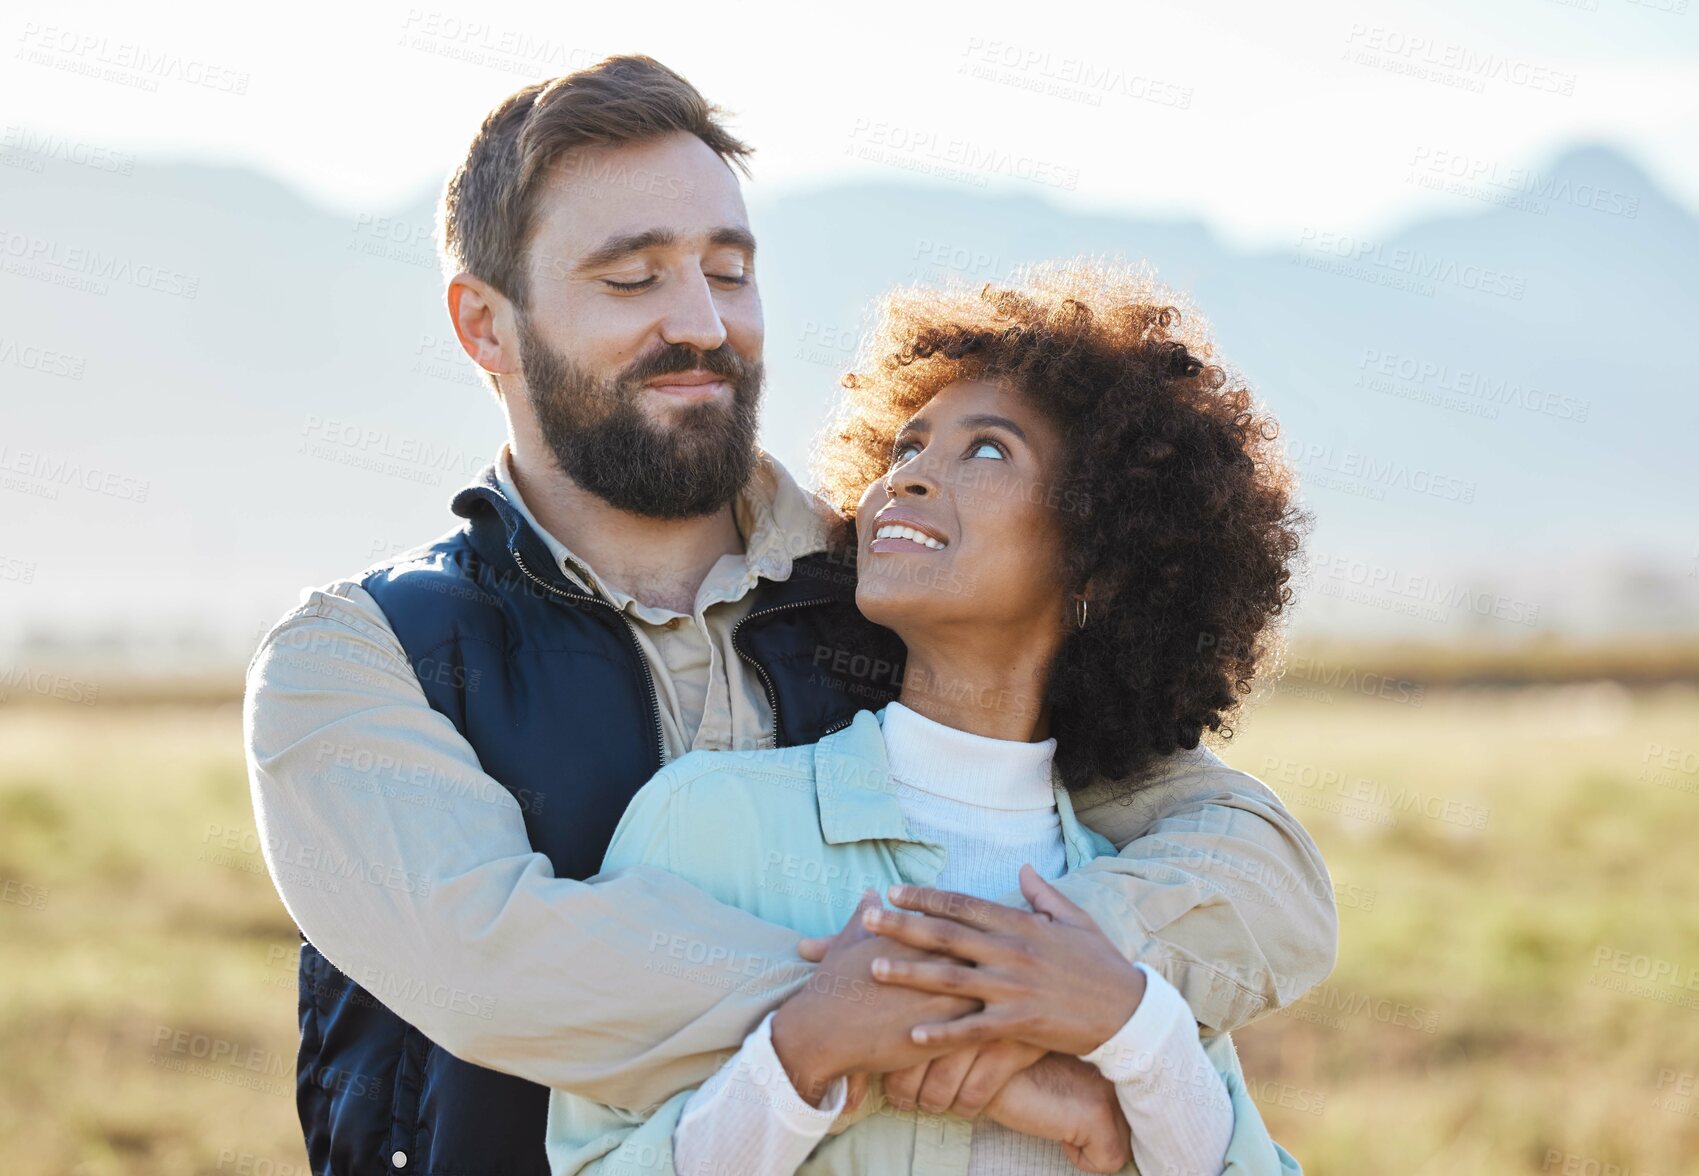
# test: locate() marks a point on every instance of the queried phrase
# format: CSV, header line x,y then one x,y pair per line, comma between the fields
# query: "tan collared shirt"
x,y
709,698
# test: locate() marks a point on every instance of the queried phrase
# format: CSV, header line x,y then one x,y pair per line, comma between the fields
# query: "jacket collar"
x,y
858,799
500,533
786,527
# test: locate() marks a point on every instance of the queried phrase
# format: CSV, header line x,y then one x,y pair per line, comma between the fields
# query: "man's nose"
x,y
692,318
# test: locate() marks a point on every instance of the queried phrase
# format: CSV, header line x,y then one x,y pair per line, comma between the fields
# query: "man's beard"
x,y
603,442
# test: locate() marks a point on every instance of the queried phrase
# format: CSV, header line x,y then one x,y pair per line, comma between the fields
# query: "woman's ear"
x,y
1079,605
1089,600
1102,587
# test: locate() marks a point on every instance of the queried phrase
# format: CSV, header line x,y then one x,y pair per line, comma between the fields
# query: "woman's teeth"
x,y
891,531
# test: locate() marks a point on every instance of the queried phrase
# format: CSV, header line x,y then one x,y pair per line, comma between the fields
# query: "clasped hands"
x,y
970,1007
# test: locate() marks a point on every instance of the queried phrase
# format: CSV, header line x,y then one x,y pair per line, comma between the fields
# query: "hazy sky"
x,y
1260,119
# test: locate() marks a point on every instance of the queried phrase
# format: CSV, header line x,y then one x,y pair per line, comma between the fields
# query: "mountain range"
x,y
216,392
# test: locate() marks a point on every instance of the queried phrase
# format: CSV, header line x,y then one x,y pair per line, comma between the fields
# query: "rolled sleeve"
x,y
564,983
1215,885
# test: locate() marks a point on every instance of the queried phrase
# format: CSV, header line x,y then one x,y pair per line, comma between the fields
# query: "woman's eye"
x,y
903,452
650,281
731,279
988,449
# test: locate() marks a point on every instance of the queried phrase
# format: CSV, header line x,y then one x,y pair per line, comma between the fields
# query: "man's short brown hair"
x,y
489,205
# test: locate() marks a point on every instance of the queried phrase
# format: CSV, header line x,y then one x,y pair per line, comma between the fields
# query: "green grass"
x,y
1465,1029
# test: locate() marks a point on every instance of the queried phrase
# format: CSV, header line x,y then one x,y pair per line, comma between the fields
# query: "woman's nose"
x,y
910,482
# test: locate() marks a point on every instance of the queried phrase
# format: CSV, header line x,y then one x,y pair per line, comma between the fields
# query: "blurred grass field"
x,y
1517,989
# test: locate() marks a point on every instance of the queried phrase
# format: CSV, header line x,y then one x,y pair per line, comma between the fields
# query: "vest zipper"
x,y
637,648
767,682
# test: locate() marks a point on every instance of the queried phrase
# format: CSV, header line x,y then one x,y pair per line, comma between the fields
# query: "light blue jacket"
x,y
794,836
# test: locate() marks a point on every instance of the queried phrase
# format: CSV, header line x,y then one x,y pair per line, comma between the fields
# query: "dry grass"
x,y
1467,1029
142,944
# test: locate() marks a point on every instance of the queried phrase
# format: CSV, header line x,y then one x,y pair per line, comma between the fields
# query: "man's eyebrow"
x,y
737,238
625,244
619,246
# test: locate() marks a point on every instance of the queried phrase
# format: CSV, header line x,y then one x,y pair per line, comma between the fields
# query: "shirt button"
x,y
399,1159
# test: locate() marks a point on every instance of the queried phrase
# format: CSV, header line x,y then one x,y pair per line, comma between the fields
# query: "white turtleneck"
x,y
991,804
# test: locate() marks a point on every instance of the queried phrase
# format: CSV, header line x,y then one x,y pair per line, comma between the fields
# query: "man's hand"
x,y
962,1082
844,1022
1065,1099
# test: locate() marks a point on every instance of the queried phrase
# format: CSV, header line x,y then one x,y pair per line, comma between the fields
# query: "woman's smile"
x,y
898,531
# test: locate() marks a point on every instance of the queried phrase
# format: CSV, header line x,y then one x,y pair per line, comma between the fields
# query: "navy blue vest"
x,y
547,684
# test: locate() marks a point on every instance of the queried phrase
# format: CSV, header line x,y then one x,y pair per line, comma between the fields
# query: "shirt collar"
x,y
958,765
858,799
780,523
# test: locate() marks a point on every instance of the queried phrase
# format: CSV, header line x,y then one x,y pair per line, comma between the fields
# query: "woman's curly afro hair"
x,y
1186,525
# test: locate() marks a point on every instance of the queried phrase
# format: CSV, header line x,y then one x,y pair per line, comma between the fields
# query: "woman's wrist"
x,y
1125,993
806,1061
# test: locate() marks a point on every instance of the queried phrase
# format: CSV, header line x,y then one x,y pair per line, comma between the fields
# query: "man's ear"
x,y
485,322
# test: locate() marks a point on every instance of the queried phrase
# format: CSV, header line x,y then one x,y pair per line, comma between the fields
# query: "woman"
x,y
1081,530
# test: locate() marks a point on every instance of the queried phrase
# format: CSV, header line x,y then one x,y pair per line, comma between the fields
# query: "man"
x,y
440,749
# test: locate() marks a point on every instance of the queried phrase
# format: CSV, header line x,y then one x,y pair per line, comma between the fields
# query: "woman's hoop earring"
x,y
1082,609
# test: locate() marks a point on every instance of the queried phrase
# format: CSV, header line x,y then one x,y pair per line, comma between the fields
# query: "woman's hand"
x,y
962,1082
1050,978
